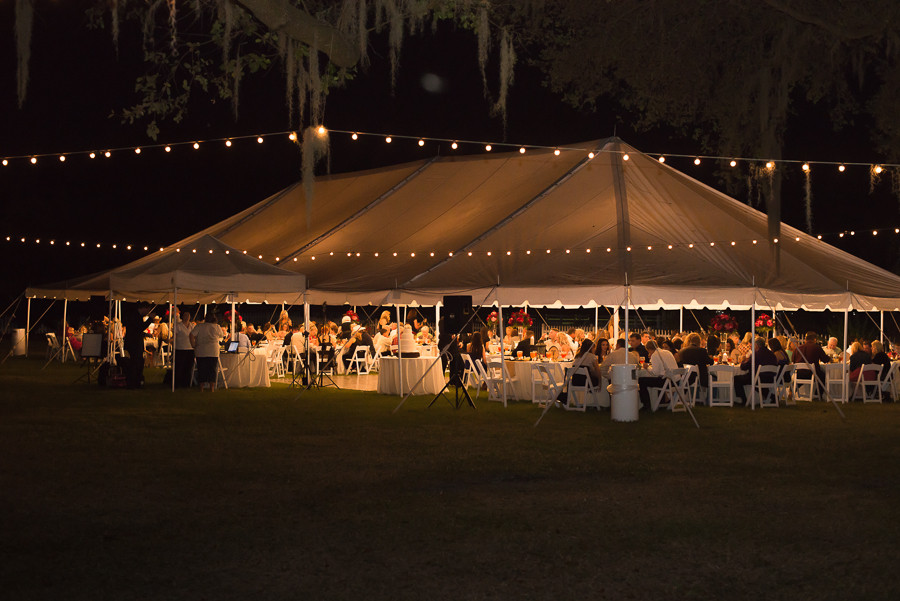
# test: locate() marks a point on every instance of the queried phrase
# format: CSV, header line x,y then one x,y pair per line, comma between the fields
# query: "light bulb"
x,y
733,163
878,169
626,157
628,248
697,161
754,242
587,250
388,139
489,253
321,130
819,237
487,147
137,151
874,233
292,136
522,150
590,155
354,136
62,158
34,160
805,167
670,247
732,242
228,143
841,168
5,162
168,149
556,152
662,159
568,251
196,145
712,243
649,248
259,140
691,245
770,165
421,142
454,145
107,154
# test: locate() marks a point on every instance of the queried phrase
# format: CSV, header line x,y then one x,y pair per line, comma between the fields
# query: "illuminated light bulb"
x,y
691,245
608,250
313,258
628,248
354,136
376,254
321,130
805,166
395,254
712,243
662,159
556,152
107,154
145,248
852,233
228,143
489,253
178,250
568,251
770,165
276,258
775,240
52,242
897,230
548,251
7,238
527,252
670,247
33,160
5,162
67,242
450,254
733,163
470,253
245,252
878,169
697,161
293,137
388,139
349,254
82,244
161,249
37,241
259,140
331,254
754,242
797,238
194,251
454,145
23,240
196,145
841,235
487,147
649,248
841,168
522,150
819,237
260,257
590,155
431,254
98,246
295,258
227,252
137,151
128,247
421,142
62,158
587,250
357,254
732,242
168,149
874,233
626,157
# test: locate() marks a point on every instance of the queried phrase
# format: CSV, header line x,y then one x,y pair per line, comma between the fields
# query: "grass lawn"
x,y
264,494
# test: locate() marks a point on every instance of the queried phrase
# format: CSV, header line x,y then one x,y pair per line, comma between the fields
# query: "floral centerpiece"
x,y
493,319
723,323
520,319
354,318
237,318
764,323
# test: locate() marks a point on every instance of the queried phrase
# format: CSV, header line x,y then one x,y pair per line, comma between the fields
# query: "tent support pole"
x,y
627,304
502,355
399,351
437,321
881,329
596,321
233,317
752,399
845,396
172,340
27,326
64,340
681,319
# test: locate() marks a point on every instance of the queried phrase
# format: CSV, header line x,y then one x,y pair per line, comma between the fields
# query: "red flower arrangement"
x,y
723,322
237,317
492,320
764,323
520,319
354,318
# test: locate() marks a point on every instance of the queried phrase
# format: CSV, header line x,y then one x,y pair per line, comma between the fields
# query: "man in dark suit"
x,y
763,357
524,344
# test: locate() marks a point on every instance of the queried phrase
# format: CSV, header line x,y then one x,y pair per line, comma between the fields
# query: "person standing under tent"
x,y
133,323
205,339
184,351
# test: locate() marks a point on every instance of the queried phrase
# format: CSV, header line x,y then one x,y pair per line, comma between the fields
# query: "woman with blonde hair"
x,y
385,320
284,322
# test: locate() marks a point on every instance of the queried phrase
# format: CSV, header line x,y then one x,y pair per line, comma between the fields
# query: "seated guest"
x,y
763,357
269,331
475,348
778,351
73,340
810,352
382,341
693,354
620,356
424,336
730,348
510,339
603,348
832,349
346,328
525,344
881,358
634,340
662,362
712,346
585,357
243,339
858,358
359,338
385,320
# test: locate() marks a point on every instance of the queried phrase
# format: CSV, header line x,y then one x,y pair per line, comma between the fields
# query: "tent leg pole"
x,y
437,321
172,340
399,352
845,397
64,339
596,320
881,329
680,320
752,399
502,354
27,326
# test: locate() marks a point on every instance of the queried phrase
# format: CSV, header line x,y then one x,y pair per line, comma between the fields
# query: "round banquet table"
x,y
522,374
413,369
246,370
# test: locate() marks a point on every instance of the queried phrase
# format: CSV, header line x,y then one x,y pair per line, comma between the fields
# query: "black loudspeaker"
x,y
456,312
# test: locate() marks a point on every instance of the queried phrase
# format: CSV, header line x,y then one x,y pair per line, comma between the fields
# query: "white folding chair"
x,y
581,393
275,362
54,348
667,396
375,361
803,388
481,375
496,375
890,383
544,388
783,384
688,385
870,385
720,389
766,391
359,361
834,381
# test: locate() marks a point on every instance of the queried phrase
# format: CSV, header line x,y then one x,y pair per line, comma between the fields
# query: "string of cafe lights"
x,y
537,252
422,141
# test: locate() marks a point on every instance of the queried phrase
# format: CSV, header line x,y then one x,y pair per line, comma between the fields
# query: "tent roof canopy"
x,y
202,270
551,230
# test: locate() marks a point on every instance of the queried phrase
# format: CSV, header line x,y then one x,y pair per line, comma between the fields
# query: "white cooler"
x,y
18,341
623,393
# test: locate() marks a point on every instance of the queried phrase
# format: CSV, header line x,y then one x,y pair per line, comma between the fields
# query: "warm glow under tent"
x,y
202,271
551,230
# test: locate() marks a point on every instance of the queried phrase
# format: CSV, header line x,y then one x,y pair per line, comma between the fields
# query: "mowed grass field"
x,y
275,494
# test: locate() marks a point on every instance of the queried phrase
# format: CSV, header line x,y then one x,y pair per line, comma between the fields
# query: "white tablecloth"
x,y
413,368
522,374
244,370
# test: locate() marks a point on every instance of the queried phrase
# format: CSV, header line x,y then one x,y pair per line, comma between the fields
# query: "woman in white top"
x,y
184,352
205,339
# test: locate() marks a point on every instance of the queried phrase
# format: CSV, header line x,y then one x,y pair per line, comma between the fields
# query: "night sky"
x,y
77,81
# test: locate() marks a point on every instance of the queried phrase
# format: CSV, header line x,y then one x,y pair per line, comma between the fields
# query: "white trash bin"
x,y
18,341
623,394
